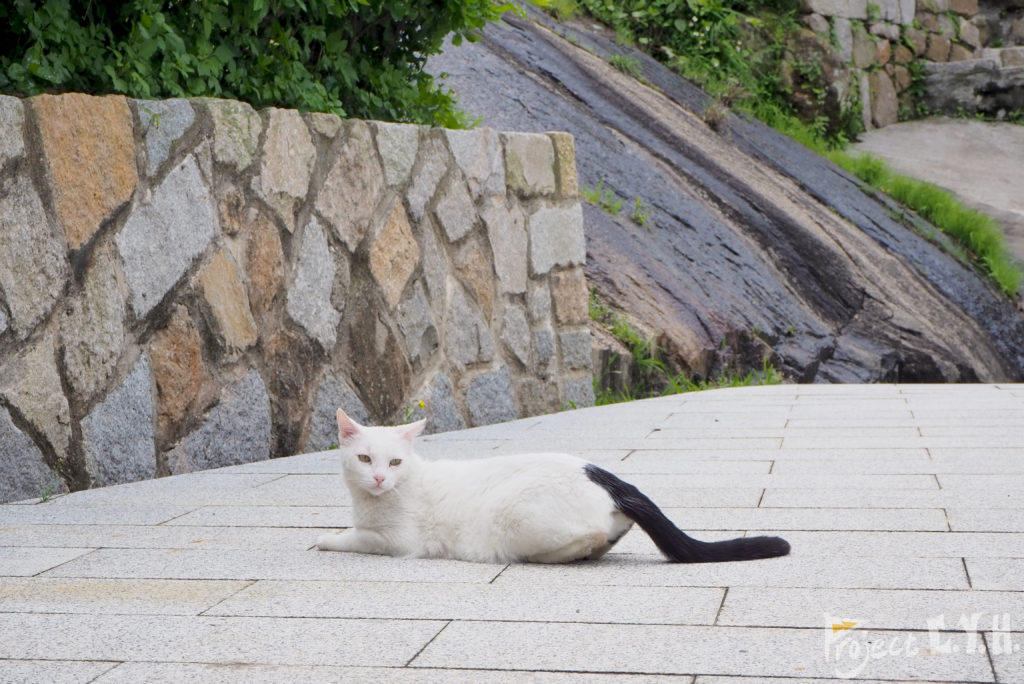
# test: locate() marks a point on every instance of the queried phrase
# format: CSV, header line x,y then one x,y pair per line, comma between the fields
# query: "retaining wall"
x,y
967,52
189,284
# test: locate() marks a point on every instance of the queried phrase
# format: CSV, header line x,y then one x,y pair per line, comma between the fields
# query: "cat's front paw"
x,y
328,542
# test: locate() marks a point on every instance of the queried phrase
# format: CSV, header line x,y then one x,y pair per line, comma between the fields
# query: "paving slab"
x,y
248,564
267,516
52,671
945,611
458,601
791,571
902,503
25,561
159,537
913,544
173,673
682,649
269,641
113,596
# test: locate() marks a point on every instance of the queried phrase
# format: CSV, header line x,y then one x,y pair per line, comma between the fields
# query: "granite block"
x,y
654,462
756,652
160,537
267,516
60,512
172,673
214,640
889,498
870,609
52,671
258,564
915,544
795,570
896,519
900,466
996,574
113,596
722,441
425,601
311,463
670,448
26,561
295,490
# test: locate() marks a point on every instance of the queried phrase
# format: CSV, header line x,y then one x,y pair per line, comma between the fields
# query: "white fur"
x,y
532,507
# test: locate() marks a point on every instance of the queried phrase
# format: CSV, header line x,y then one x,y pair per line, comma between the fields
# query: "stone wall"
x,y
955,45
188,284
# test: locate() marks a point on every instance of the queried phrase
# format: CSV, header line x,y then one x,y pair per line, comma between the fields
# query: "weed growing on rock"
x,y
652,377
626,64
603,197
641,212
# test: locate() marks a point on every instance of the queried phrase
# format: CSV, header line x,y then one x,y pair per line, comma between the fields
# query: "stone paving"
x,y
902,503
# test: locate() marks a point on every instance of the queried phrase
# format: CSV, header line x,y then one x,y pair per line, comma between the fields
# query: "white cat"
x,y
541,508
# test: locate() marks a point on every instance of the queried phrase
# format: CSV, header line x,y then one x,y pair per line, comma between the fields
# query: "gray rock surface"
x,y
576,349
118,434
468,339
12,119
30,383
556,238
236,132
182,217
26,475
442,412
237,430
333,394
515,333
417,325
92,327
478,155
426,177
32,262
163,122
309,298
489,398
397,144
755,245
455,211
507,234
973,86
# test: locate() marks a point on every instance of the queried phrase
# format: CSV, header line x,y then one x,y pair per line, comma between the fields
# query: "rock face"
x,y
754,245
190,284
988,86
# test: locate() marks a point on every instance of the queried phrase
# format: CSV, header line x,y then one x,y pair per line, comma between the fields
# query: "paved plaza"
x,y
903,505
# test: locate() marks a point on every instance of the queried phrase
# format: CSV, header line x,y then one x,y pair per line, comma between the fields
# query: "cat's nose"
x,y
378,478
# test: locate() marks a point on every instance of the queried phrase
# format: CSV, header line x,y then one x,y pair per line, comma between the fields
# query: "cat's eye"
x,y
396,462
364,458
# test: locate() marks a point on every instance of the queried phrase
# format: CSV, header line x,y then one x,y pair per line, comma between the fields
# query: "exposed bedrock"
x,y
754,245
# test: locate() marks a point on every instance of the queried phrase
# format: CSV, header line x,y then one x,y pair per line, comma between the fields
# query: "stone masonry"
x,y
910,57
187,284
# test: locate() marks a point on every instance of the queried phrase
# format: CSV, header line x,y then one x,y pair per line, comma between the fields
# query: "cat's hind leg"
x,y
354,540
578,549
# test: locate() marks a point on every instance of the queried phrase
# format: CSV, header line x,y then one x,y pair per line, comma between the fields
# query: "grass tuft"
x,y
978,232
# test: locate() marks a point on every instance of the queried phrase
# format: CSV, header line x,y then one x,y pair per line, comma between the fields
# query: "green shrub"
x,y
361,58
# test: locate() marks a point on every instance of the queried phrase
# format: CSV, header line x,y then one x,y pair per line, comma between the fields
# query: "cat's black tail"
x,y
677,546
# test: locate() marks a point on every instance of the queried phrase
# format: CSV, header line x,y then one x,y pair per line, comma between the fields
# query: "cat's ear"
x,y
347,428
412,430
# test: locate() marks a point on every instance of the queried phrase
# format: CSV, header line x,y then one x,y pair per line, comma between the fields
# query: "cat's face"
x,y
376,458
